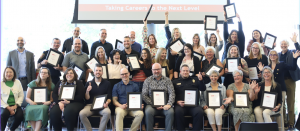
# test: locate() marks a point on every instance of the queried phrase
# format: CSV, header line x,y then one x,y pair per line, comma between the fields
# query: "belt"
x,y
22,78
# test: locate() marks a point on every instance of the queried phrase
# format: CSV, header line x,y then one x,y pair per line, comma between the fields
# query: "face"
x,y
284,46
184,72
255,49
210,53
151,40
213,38
273,56
44,74
213,77
124,74
77,45
233,36
176,34
237,77
256,35
55,44
20,42
132,35
196,39
76,32
98,72
70,75
116,57
9,74
233,52
156,70
267,74
187,51
127,43
103,34
163,55
100,53
144,54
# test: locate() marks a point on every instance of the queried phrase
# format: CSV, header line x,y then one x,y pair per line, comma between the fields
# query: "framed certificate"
x,y
78,71
53,57
177,45
213,67
191,97
119,45
134,101
269,40
67,92
269,100
105,71
159,98
241,99
200,56
134,63
98,102
210,22
230,11
214,99
91,63
232,64
164,71
39,94
253,72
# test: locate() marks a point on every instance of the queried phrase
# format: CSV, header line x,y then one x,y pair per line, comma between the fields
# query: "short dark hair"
x,y
56,39
97,65
260,38
66,72
113,52
15,74
127,37
184,65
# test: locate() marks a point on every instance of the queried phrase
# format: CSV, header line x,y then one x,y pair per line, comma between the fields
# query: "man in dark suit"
x,y
68,44
23,62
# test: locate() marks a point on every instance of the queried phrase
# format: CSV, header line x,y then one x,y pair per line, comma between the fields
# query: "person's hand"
x,y
57,67
105,104
89,88
44,62
222,107
12,112
61,106
47,103
227,101
109,60
142,106
294,37
204,21
145,22
90,70
32,103
128,61
141,62
200,77
296,54
120,62
253,85
218,31
181,103
238,16
166,13
262,45
167,107
174,52
225,19
159,108
274,44
205,107
226,70
257,89
260,66
66,101
240,67
276,108
124,106
259,75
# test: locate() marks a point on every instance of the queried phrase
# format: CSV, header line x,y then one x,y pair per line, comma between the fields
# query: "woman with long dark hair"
x,y
150,41
257,37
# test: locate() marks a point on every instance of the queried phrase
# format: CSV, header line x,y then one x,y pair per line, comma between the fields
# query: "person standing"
x,y
68,43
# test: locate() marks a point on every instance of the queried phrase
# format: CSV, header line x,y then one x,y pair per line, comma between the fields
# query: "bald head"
x,y
125,75
156,65
156,70
132,36
76,32
124,70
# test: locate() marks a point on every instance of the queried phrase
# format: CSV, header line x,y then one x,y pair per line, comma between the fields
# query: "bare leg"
x,y
237,125
38,125
213,126
219,127
205,122
32,124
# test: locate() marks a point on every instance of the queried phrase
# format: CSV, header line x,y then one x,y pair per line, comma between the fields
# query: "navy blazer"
x,y
295,74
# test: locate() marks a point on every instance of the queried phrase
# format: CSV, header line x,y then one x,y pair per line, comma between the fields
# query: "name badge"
x,y
178,83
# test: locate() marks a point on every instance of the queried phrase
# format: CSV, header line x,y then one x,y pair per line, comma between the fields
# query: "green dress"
x,y
38,112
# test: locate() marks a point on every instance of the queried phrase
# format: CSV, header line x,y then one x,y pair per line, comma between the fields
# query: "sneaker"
x,y
291,127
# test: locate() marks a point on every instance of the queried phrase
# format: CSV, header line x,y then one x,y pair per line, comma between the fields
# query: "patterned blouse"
x,y
146,44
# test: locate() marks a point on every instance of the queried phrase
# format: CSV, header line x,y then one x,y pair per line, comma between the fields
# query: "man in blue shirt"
x,y
134,45
119,95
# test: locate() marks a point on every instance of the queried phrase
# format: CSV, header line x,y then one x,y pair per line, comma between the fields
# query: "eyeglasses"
x,y
124,74
273,55
267,72
76,30
44,72
156,69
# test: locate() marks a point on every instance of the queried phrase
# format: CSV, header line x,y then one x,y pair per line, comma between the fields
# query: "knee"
x,y
106,112
170,112
149,111
119,112
139,114
266,112
82,114
257,111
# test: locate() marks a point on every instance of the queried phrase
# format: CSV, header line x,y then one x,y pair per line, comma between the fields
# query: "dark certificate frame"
x,y
268,34
198,54
106,70
196,97
134,55
47,57
166,70
262,99
93,57
207,98
175,42
79,77
211,67
206,16
141,102
116,44
61,89
105,99
238,63
165,97
32,94
226,11
240,93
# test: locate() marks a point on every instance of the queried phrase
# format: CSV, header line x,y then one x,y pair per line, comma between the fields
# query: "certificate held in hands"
x,y
159,98
78,71
177,45
232,64
91,63
241,99
134,63
214,99
210,22
191,97
213,67
134,101
119,45
39,94
53,57
200,56
253,75
268,100
269,40
230,11
67,92
164,71
98,102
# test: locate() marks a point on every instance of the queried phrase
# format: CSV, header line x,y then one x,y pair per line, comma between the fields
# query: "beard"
x,y
156,76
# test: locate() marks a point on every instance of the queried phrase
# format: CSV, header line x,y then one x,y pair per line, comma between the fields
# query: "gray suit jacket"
x,y
13,60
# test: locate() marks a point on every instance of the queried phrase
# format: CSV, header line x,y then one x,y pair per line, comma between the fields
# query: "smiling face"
x,y
70,75
98,72
44,74
163,55
184,72
213,39
233,36
234,52
273,56
76,32
125,75
176,34
9,74
156,70
132,35
237,77
284,46
152,40
144,54
210,54
77,45
255,49
103,34
256,35
20,42
101,53
127,43
214,77
267,74
196,40
116,57
55,44
187,51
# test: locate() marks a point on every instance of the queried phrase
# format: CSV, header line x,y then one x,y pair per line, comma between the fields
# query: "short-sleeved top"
x,y
120,90
233,87
33,84
54,73
79,59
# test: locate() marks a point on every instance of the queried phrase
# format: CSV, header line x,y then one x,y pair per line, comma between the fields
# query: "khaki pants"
x,y
121,113
290,100
215,115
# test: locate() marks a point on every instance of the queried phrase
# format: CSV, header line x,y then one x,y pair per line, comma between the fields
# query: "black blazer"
x,y
196,62
79,93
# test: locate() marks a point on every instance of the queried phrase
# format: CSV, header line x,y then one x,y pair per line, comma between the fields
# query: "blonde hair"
x,y
198,38
228,52
157,58
173,33
274,84
259,56
270,62
96,53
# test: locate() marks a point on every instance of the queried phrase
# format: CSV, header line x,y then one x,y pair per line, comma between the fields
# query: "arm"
x,y
85,47
196,65
109,93
167,28
220,46
241,37
145,92
251,94
279,94
224,95
87,92
145,35
291,67
171,74
249,46
244,67
206,38
171,93
297,46
229,94
28,97
201,85
64,47
225,29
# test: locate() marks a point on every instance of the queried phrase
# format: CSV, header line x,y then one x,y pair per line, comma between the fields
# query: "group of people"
x,y
277,72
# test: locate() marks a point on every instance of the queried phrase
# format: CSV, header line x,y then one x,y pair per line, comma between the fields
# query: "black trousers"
x,y
195,112
71,113
5,115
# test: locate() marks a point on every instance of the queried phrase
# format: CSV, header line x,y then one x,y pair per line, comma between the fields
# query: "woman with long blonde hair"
x,y
161,58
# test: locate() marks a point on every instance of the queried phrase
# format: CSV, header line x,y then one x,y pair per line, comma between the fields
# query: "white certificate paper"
x,y
214,99
269,41
158,98
190,97
232,65
230,12
92,63
104,73
53,58
164,72
268,100
99,102
241,100
90,77
210,23
134,101
199,56
134,62
253,73
213,68
78,72
177,46
67,93
39,95
120,46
